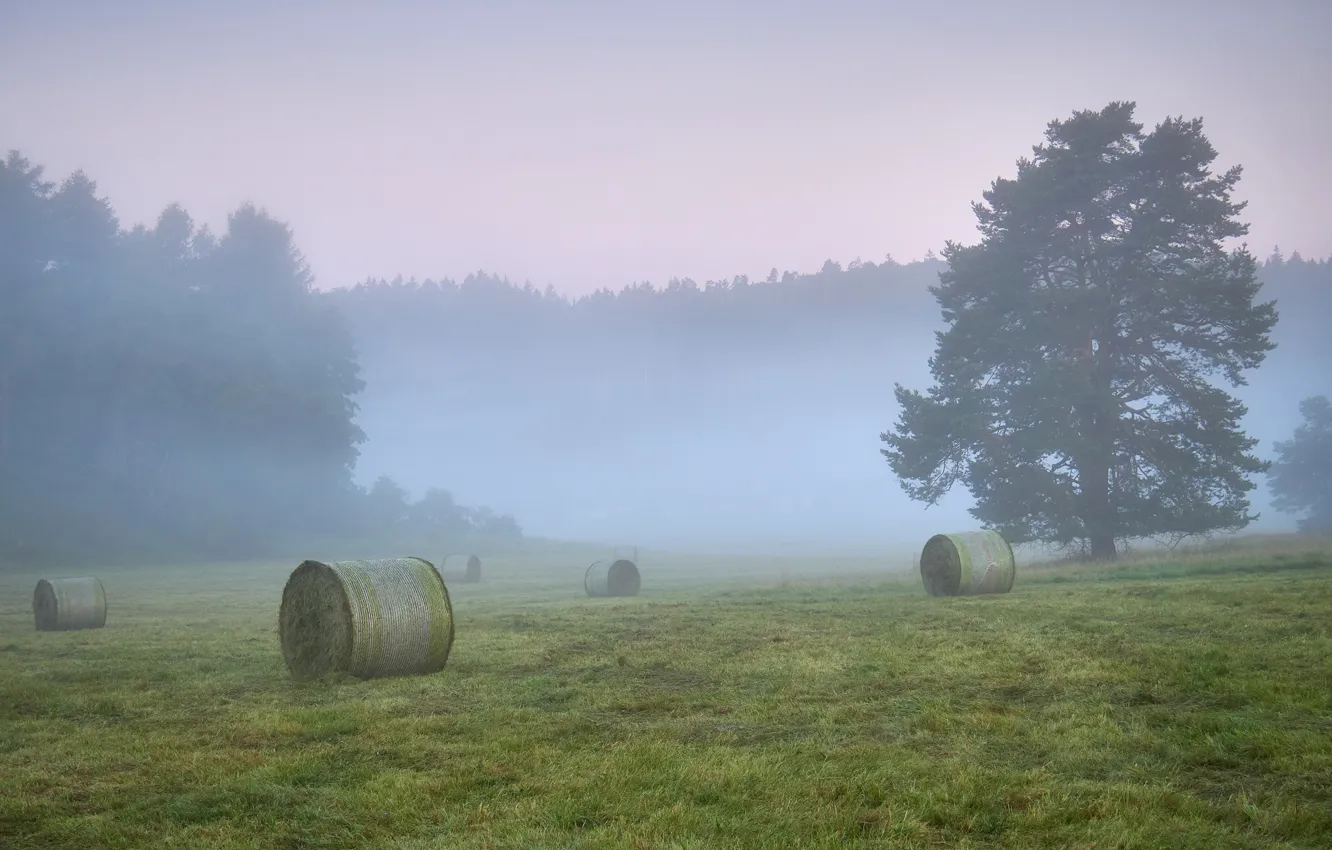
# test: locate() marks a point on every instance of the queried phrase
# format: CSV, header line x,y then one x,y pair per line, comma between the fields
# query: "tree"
x,y
163,391
437,511
1073,392
387,502
1301,477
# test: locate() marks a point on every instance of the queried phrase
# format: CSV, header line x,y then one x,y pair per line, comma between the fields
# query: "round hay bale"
x,y
388,617
616,577
967,564
67,604
466,568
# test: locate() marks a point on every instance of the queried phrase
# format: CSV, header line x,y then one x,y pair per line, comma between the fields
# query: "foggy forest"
x,y
168,392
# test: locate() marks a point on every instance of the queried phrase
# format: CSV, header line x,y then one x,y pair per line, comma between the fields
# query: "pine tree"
x,y
1074,390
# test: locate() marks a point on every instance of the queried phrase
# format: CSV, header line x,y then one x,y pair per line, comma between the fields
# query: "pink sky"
x,y
602,145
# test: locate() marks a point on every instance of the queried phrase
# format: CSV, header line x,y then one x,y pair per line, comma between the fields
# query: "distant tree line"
x,y
477,338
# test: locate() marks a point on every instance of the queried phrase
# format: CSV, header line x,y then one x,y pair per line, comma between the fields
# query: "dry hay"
x,y
967,564
465,568
388,617
66,604
618,577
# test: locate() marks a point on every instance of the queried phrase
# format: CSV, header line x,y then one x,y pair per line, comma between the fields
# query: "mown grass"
x,y
1184,704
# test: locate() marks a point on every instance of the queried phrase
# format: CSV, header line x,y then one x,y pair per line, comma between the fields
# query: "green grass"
x,y
732,704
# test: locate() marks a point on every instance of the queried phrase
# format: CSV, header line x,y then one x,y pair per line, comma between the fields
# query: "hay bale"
x,y
967,564
616,577
388,617
466,568
67,604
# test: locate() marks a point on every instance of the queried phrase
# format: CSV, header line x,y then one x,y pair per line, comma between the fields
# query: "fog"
x,y
182,383
730,418
170,392
755,434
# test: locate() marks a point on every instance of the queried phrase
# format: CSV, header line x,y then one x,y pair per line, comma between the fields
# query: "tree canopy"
x,y
1301,476
1074,386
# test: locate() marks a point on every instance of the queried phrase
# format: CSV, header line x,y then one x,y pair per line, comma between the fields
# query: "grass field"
x,y
1179,704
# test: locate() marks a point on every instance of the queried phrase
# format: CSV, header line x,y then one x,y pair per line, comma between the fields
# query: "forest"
x,y
167,392
733,415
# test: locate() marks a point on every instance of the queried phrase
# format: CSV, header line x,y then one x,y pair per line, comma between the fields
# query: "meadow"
x,y
1173,700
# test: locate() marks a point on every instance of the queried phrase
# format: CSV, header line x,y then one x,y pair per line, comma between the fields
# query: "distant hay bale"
x,y
617,577
967,564
67,604
467,568
388,617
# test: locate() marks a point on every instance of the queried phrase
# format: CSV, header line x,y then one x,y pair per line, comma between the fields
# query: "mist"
x,y
193,382
170,391
725,417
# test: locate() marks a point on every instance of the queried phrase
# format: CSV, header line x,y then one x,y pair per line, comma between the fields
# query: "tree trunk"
x,y
1103,546
1096,518
1098,416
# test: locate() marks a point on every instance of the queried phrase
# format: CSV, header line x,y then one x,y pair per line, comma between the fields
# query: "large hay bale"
x,y
967,564
467,568
616,577
388,617
66,604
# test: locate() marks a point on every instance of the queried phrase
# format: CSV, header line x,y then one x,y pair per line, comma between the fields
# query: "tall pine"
x,y
1075,386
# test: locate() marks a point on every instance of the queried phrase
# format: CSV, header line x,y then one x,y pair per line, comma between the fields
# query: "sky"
x,y
595,144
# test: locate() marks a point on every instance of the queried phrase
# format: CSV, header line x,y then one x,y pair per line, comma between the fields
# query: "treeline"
x,y
486,344
802,304
833,293
788,307
168,392
693,411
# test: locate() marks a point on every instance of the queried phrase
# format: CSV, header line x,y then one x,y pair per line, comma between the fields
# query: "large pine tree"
x,y
1074,392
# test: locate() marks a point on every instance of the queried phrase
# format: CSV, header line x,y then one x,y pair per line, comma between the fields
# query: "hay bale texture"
x,y
389,617
67,604
466,568
967,564
616,577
